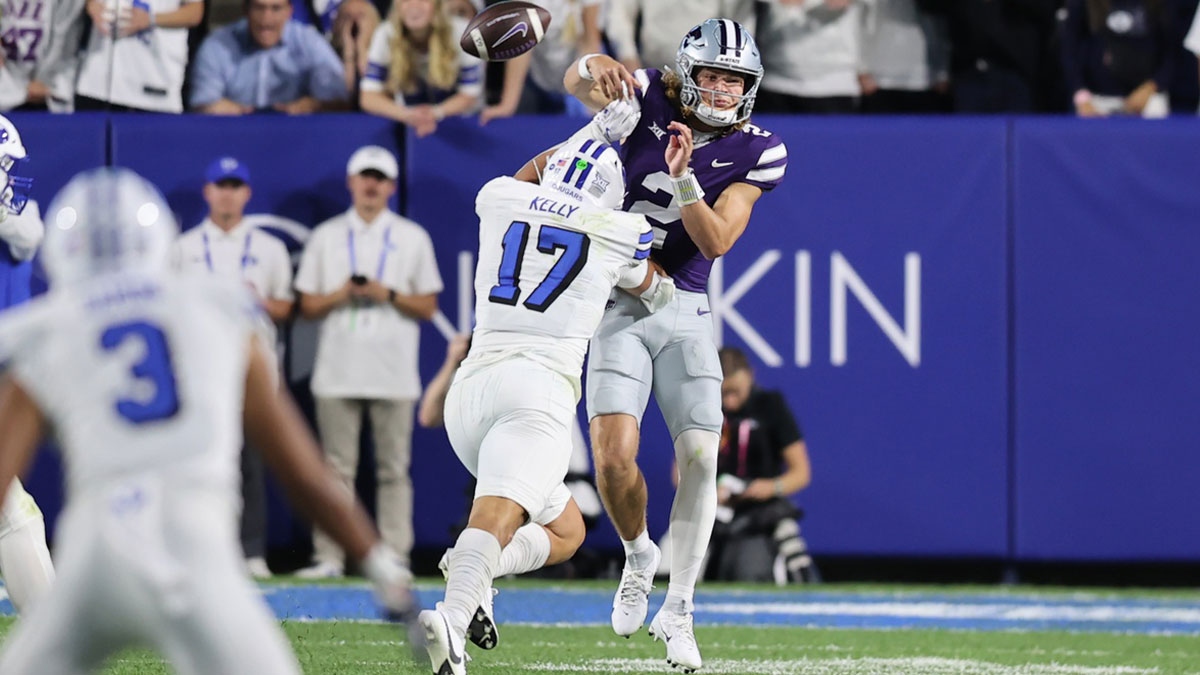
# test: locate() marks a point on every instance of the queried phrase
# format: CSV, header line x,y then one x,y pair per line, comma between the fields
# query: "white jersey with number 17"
x,y
547,265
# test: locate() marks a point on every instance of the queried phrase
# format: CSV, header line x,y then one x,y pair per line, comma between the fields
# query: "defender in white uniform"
x,y
549,257
145,378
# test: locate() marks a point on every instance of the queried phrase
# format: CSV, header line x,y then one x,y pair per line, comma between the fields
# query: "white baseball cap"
x,y
373,157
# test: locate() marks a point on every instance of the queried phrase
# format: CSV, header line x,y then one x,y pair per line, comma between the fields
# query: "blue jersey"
x,y
750,155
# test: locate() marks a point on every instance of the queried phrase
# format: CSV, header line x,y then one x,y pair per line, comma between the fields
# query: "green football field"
x,y
830,629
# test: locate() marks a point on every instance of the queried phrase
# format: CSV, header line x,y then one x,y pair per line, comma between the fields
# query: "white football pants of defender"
x,y
510,425
154,563
24,558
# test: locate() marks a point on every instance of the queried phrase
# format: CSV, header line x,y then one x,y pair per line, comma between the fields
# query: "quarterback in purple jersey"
x,y
695,168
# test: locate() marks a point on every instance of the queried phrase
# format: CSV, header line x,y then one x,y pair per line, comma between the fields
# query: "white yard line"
x,y
954,610
865,666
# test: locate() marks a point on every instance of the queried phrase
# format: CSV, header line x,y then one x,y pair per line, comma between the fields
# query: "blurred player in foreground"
x,y
24,558
146,379
549,256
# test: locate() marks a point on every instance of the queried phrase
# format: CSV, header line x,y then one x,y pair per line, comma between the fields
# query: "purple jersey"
x,y
752,155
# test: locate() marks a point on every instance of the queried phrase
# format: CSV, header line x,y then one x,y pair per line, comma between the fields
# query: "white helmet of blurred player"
x,y
14,188
719,44
107,220
588,171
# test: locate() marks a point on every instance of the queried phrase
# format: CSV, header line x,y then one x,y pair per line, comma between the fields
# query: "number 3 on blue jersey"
x,y
550,239
155,367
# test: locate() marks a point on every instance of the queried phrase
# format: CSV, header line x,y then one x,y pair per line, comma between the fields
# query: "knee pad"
x,y
786,529
696,450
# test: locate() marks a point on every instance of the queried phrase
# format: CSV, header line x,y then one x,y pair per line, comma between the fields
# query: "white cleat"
x,y
482,631
632,601
676,631
445,649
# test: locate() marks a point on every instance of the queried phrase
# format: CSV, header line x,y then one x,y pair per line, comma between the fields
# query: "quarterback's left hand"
x,y
679,150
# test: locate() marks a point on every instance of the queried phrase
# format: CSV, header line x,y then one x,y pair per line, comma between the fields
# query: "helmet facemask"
x,y
14,187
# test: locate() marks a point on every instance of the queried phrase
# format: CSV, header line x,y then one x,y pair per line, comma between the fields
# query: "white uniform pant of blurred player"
x,y
155,563
510,424
24,560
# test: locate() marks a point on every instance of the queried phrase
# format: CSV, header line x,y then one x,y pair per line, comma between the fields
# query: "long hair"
x,y
672,85
1098,11
443,53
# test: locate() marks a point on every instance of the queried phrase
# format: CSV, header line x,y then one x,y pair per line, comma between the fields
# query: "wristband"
x,y
687,188
583,69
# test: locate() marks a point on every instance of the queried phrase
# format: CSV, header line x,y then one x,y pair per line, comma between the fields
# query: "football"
x,y
505,30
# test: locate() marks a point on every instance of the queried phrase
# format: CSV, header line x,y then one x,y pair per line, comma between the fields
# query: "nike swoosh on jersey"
x,y
718,164
522,28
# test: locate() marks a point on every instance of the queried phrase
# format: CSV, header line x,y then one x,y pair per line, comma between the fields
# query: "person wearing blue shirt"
x,y
266,62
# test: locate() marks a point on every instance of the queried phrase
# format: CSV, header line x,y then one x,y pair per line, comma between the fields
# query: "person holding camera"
x,y
370,276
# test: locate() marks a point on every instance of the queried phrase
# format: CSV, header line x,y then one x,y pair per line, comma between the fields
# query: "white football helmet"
x,y
14,188
721,44
588,171
107,220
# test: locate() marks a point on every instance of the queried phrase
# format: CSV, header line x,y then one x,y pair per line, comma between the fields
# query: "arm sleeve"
x,y
208,73
308,277
768,171
470,75
379,60
645,241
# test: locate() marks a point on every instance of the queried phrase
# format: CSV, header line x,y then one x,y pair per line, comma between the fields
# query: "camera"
x,y
358,279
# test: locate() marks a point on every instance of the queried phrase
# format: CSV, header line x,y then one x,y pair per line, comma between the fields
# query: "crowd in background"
x,y
400,59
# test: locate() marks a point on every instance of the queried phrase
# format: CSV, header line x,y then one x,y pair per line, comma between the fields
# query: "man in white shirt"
x,y
226,246
370,276
137,55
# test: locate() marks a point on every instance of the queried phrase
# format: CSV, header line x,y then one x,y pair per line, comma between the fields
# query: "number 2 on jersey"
x,y
155,367
550,240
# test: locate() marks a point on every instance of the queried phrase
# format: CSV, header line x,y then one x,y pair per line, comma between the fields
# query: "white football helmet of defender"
x,y
587,171
722,44
107,220
14,188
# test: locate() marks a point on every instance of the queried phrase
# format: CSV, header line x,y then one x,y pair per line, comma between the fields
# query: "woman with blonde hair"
x,y
416,72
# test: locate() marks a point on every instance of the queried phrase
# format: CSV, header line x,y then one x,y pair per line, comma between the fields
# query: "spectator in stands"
x,y
1118,56
906,59
811,52
137,55
417,74
763,462
39,44
533,82
645,33
370,277
265,62
225,245
354,23
998,52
